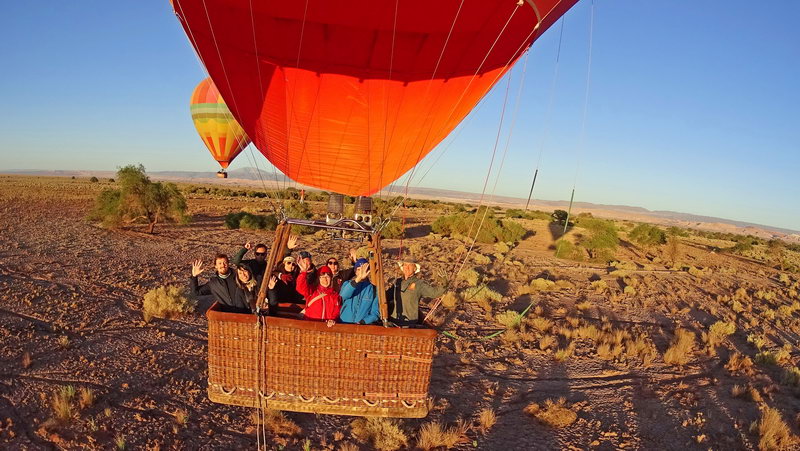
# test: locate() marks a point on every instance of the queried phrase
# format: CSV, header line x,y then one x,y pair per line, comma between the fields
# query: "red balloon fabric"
x,y
348,95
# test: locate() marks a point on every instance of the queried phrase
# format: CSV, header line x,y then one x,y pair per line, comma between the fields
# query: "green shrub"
x,y
647,235
677,231
107,207
245,220
139,199
392,230
566,249
94,179
602,240
258,222
166,302
470,276
232,220
491,230
297,210
533,214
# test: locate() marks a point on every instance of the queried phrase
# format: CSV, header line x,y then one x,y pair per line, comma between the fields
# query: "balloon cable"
x,y
548,114
455,104
582,140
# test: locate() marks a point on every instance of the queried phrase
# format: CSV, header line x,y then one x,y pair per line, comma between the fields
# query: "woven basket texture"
x,y
304,366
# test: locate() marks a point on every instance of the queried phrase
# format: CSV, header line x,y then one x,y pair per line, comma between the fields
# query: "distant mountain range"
x,y
253,177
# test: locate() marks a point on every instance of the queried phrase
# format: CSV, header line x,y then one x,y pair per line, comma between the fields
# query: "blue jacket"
x,y
359,302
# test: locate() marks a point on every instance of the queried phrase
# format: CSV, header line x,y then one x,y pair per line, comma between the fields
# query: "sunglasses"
x,y
260,254
333,263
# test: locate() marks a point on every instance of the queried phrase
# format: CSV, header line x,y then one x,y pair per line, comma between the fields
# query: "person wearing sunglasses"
x,y
340,276
258,264
283,284
333,265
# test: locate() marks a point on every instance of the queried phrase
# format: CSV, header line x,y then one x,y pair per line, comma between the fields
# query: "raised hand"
x,y
353,256
292,243
272,281
362,272
197,267
248,245
303,264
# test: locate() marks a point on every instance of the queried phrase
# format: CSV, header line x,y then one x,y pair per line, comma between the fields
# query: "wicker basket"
x,y
305,366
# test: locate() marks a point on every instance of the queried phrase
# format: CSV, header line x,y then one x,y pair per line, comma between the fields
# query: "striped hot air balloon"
x,y
217,127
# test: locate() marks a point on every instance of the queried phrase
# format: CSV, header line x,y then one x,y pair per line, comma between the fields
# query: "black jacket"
x,y
225,291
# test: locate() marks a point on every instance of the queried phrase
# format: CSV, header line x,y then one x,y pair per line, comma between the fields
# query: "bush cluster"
x,y
602,239
522,214
166,302
245,220
647,235
466,224
392,230
282,194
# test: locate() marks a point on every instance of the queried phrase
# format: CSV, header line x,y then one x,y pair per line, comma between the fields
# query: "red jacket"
x,y
321,303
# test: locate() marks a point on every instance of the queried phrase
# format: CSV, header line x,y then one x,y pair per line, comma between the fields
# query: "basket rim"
x,y
214,314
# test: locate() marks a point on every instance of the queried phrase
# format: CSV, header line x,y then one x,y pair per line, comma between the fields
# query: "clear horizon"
x,y
692,108
533,201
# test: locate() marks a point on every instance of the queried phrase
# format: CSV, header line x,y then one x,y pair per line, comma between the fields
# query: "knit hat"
x,y
288,259
324,270
305,254
359,262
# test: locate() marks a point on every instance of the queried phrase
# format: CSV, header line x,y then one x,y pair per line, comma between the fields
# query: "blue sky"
x,y
693,106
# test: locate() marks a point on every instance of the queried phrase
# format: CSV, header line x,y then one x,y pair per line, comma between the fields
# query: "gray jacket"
x,y
404,295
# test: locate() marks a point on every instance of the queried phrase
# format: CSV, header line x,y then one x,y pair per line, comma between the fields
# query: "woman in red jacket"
x,y
322,301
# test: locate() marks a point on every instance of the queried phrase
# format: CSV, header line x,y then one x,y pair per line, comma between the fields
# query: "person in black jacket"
x,y
258,264
222,286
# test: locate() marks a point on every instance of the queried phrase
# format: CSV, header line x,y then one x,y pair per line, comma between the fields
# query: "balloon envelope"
x,y
217,127
348,95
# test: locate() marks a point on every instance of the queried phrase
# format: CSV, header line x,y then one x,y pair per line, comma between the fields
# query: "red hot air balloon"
x,y
348,95
216,125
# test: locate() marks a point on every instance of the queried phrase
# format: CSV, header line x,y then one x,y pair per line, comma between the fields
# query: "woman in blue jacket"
x,y
359,297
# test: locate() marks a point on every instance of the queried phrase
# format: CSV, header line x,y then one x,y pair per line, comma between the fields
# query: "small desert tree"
x,y
139,199
602,240
647,235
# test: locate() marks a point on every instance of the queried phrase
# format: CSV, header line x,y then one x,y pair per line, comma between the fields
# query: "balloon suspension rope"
x,y
548,114
410,176
582,140
454,275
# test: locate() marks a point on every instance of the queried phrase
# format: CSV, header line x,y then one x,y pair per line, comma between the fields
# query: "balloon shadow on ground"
x,y
557,229
418,231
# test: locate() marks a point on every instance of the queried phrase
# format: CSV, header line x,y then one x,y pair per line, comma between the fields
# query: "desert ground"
x,y
595,362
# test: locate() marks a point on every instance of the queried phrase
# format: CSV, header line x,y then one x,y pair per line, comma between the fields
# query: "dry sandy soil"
x,y
72,300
